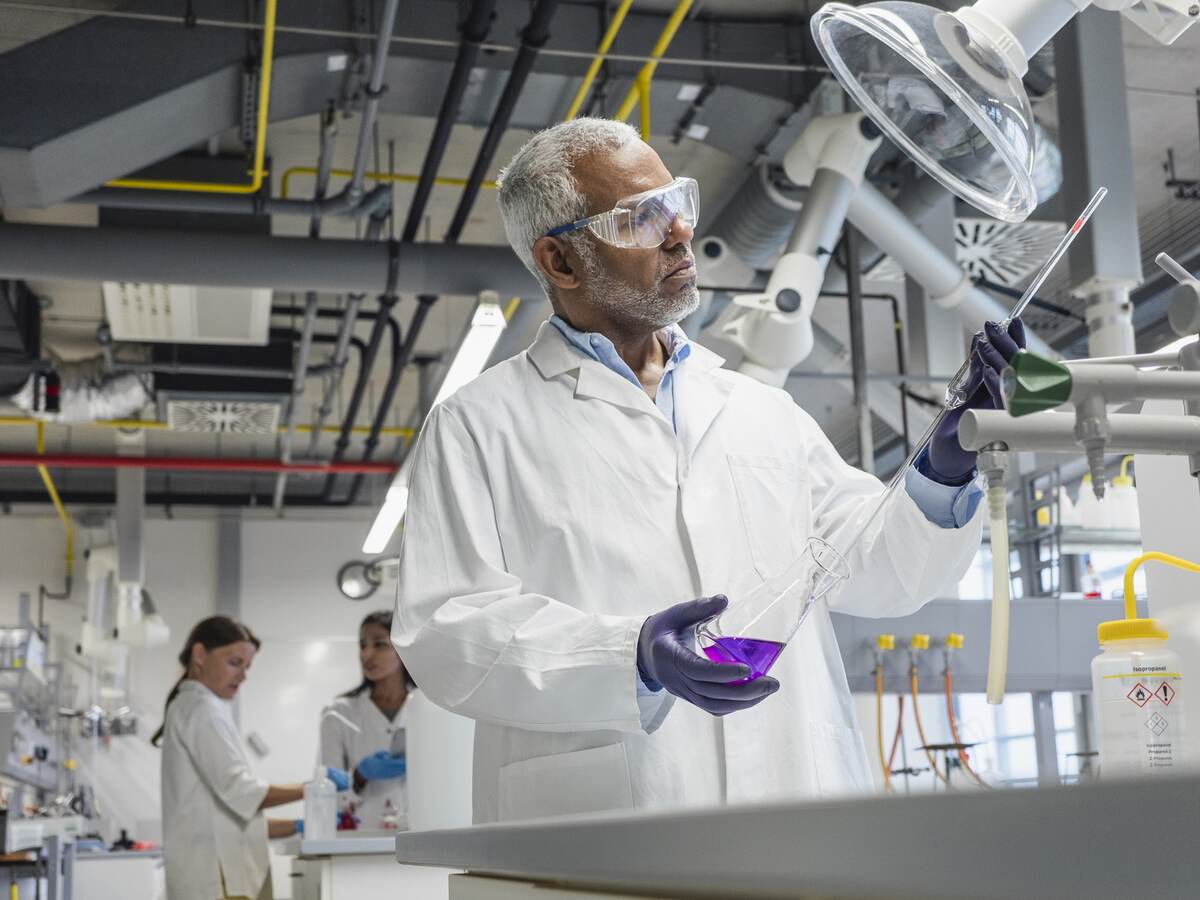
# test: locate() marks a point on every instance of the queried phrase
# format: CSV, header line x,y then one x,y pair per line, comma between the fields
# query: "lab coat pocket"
x,y
839,759
770,494
565,784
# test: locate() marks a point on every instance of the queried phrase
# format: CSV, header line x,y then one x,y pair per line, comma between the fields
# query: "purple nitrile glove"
x,y
991,351
666,657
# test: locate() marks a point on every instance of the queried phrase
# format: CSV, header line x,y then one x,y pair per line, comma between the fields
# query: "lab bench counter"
x,y
1110,840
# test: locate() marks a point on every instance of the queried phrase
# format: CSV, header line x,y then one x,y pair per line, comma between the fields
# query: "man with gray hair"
x,y
577,510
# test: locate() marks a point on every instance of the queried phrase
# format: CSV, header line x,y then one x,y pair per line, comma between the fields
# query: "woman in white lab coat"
x,y
214,832
362,731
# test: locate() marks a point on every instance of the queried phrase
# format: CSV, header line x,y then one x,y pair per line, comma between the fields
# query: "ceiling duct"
x,y
758,220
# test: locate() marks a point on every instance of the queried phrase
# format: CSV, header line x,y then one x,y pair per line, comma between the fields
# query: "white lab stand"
x,y
360,866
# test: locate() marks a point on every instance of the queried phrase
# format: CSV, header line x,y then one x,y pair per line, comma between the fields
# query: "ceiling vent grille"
x,y
184,314
225,416
1002,252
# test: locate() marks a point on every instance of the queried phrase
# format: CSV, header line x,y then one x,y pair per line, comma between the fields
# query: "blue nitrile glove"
x,y
666,657
340,779
381,766
300,827
991,351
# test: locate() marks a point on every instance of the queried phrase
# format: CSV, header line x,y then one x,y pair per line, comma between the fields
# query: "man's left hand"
x,y
991,351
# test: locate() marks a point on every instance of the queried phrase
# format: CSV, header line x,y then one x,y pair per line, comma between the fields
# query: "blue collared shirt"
x,y
945,505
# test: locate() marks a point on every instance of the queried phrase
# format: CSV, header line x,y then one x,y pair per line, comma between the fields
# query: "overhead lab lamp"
x,y
946,86
486,325
358,580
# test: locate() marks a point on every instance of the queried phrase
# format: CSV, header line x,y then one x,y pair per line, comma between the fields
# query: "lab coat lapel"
x,y
699,396
553,355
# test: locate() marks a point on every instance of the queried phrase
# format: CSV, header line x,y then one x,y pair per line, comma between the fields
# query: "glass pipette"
x,y
956,390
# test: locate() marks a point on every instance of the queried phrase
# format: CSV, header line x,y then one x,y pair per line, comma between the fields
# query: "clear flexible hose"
x,y
998,648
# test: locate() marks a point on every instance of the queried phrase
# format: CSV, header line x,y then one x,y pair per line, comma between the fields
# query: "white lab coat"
x,y
214,836
354,727
553,509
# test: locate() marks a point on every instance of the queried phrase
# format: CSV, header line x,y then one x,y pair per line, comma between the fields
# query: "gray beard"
x,y
650,309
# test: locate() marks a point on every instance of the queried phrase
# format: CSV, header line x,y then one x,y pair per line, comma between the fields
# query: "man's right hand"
x,y
666,657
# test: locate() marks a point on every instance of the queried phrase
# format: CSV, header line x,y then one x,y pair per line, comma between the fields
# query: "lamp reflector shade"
x,y
943,92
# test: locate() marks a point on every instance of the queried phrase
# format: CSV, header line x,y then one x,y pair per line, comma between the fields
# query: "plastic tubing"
x,y
998,648
963,759
883,761
1152,556
913,683
899,730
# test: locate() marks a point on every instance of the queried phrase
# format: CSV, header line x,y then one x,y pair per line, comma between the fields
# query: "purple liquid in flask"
x,y
759,655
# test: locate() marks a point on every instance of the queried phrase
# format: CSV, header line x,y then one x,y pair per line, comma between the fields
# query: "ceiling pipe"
x,y
383,322
254,260
473,31
162,498
187,464
533,37
351,200
415,326
311,305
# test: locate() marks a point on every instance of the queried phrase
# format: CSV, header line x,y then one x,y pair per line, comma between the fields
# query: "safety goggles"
x,y
644,219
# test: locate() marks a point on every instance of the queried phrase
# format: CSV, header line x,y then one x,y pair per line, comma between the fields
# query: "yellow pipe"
x,y
598,60
644,108
258,174
58,504
1130,595
640,89
399,178
163,426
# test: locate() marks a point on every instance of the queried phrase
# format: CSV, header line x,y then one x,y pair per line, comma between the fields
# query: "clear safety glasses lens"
x,y
645,219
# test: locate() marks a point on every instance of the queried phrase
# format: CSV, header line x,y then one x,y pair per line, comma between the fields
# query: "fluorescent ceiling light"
x,y
476,348
486,325
391,514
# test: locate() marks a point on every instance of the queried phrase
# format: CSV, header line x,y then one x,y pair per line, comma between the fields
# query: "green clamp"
x,y
1032,384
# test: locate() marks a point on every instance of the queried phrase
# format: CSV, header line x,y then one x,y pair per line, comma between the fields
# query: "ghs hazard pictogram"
x,y
1164,693
1140,695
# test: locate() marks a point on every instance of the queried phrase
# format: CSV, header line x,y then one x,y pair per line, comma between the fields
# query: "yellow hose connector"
x,y
885,642
1131,627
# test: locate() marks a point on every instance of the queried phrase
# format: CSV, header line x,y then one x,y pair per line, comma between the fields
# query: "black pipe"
x,y
533,38
424,305
473,31
384,322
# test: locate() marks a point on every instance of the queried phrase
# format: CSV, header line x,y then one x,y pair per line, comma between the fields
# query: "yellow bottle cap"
x,y
919,642
954,641
1130,629
885,642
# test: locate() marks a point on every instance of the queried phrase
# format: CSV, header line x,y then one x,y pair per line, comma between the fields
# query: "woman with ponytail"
x,y
363,729
214,832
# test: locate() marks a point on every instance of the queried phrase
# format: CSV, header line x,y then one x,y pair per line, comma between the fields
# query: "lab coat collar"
x,y
699,397
553,354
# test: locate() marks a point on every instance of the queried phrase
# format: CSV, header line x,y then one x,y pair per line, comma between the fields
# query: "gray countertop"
x,y
1113,840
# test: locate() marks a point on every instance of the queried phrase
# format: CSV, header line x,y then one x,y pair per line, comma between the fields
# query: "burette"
x,y
957,394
